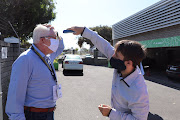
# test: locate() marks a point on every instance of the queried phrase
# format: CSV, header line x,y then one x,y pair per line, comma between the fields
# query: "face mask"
x,y
117,64
54,45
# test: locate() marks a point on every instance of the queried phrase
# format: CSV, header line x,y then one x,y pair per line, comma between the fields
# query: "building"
x,y
157,27
9,53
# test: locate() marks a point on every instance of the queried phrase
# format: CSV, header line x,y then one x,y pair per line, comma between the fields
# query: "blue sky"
x,y
91,13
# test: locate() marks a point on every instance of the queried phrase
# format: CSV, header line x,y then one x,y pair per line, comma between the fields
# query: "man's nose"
x,y
114,56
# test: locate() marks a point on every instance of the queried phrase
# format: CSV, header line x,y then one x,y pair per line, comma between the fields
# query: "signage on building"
x,y
4,52
163,42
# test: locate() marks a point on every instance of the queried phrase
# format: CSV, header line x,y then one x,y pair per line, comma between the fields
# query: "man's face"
x,y
52,34
46,39
118,55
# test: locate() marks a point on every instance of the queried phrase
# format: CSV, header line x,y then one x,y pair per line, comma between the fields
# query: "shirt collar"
x,y
42,54
133,76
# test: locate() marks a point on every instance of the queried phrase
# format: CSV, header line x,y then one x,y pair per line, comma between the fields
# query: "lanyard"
x,y
50,68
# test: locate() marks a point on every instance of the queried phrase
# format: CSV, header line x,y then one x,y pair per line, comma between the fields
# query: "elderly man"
x,y
33,88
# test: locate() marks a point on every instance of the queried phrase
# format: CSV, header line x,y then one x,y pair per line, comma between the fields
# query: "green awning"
x,y
163,42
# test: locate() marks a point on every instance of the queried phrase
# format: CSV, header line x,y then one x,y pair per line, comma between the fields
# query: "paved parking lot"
x,y
159,76
82,95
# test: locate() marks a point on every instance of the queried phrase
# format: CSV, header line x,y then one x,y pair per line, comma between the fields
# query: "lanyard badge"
x,y
57,92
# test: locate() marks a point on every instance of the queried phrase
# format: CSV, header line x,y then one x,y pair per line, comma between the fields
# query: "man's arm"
x,y
139,109
103,45
20,75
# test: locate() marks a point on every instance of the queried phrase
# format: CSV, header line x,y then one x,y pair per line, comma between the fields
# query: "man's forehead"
x,y
119,54
52,32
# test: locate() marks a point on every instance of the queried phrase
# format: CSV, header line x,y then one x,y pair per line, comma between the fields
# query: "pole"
x,y
16,35
1,106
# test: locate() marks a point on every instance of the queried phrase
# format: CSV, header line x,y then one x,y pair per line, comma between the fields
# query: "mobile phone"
x,y
68,31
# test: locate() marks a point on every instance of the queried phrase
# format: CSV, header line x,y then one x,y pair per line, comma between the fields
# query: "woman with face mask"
x,y
129,97
33,88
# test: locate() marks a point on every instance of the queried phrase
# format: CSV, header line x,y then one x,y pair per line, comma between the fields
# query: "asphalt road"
x,y
83,93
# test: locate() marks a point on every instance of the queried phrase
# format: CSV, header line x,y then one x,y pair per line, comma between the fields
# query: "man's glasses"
x,y
57,37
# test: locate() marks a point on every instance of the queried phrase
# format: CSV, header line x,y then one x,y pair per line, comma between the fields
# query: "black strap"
x,y
109,112
83,31
52,72
49,67
125,82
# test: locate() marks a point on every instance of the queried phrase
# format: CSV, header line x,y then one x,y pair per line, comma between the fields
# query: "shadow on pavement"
x,y
159,76
154,117
72,73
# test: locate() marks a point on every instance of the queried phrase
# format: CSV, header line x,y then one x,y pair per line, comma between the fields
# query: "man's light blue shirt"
x,y
31,83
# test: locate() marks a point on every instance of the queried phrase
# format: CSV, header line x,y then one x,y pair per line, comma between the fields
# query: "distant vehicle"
x,y
173,70
72,62
88,56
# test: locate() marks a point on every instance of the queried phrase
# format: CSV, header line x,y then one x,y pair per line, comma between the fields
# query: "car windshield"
x,y
73,57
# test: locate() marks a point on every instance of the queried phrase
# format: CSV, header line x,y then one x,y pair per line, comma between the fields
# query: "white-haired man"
x,y
33,88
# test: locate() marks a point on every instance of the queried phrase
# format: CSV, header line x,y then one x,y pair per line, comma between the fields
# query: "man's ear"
x,y
128,63
41,40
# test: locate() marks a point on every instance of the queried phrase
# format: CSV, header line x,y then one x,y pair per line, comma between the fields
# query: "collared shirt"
x,y
142,69
31,83
129,101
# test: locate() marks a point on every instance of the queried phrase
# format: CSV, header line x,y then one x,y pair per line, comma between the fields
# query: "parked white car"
x,y
72,62
88,56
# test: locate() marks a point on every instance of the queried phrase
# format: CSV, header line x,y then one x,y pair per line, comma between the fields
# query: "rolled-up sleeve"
x,y
100,43
20,75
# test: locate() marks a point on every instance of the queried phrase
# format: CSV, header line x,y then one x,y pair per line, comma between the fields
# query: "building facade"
x,y
157,27
8,54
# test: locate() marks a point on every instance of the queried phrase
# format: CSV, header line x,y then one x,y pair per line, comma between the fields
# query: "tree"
x,y
25,44
76,49
24,15
104,31
81,40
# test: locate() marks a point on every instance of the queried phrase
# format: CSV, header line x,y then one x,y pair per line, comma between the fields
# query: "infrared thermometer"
x,y
68,31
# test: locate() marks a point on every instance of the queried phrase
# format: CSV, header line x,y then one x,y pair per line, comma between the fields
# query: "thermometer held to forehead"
x,y
68,31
